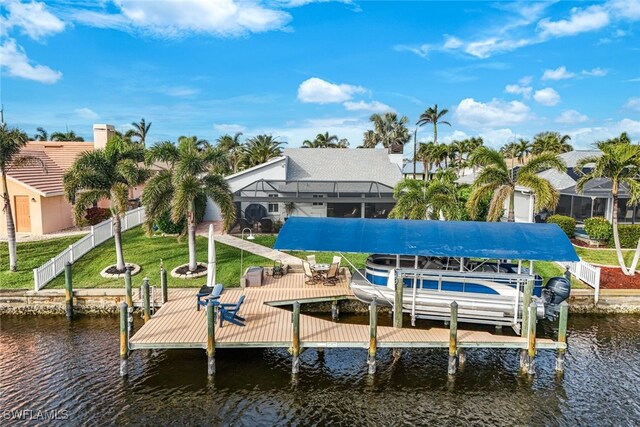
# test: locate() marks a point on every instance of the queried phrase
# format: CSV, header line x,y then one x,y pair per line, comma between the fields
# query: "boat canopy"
x,y
469,239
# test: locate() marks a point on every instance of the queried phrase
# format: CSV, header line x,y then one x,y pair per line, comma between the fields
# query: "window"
x,y
318,196
273,207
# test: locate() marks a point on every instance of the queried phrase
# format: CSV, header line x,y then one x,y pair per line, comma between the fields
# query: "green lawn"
x,y
606,257
548,270
30,256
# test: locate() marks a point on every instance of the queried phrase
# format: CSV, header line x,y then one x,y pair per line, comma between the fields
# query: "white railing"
x,y
590,274
99,234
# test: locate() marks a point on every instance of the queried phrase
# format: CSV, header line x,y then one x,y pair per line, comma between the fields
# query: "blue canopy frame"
x,y
469,239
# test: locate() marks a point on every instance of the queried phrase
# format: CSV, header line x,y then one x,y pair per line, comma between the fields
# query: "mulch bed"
x,y
184,269
583,244
114,270
614,278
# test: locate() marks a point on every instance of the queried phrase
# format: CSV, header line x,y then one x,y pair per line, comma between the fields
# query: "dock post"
x,y
295,339
528,365
211,338
526,300
124,339
129,296
163,285
453,338
68,290
562,335
335,311
146,299
373,335
397,304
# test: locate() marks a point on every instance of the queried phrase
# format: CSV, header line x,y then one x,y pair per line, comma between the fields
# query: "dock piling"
x,y
524,327
124,339
146,299
397,304
373,335
453,338
562,335
163,285
68,290
211,338
295,339
335,310
528,355
129,297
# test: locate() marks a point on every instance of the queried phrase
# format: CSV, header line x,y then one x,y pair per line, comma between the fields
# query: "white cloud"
x,y
571,117
175,18
487,47
547,96
633,104
632,127
525,91
596,72
494,113
625,9
452,42
422,51
14,60
178,91
230,128
86,113
319,91
344,127
33,19
371,107
581,20
585,137
559,73
526,80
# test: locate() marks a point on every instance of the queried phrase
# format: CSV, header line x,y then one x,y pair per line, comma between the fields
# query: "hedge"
x,y
567,224
629,236
598,228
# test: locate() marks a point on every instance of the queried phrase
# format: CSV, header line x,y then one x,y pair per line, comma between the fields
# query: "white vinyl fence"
x,y
590,274
99,234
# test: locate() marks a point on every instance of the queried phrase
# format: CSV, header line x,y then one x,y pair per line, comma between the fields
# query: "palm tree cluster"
x,y
324,140
388,130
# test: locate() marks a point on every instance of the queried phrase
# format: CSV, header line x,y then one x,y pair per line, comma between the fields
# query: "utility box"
x,y
254,276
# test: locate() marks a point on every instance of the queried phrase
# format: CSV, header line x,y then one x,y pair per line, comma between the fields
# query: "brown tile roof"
x,y
57,156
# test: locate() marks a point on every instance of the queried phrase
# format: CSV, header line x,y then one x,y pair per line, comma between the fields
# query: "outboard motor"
x,y
555,291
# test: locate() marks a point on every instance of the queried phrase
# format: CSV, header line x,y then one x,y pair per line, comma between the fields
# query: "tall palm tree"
x,y
107,173
433,116
523,150
620,162
69,135
140,131
369,139
191,175
551,142
260,149
419,199
496,179
233,147
12,140
41,135
427,154
388,130
510,151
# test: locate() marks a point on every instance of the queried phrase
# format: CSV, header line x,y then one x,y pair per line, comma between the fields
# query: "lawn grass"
x,y
605,257
547,270
30,255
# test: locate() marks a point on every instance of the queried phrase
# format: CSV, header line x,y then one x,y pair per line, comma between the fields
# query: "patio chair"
x,y
311,278
311,259
266,225
337,259
207,293
229,312
330,278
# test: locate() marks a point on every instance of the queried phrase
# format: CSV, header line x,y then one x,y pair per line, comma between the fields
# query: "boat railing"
x,y
509,278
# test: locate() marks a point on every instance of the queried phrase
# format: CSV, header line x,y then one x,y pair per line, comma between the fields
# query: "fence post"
x,y
562,335
68,290
93,237
163,285
36,281
211,338
71,257
453,338
373,335
124,339
596,285
579,269
145,299
295,339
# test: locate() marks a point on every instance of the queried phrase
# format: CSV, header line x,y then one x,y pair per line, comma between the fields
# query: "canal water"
x,y
56,373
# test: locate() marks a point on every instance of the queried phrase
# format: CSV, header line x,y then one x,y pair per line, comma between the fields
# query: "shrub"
x,y
629,235
567,224
96,215
166,226
598,228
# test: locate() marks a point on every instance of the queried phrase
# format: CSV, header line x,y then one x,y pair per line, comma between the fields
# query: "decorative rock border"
x,y
135,269
188,275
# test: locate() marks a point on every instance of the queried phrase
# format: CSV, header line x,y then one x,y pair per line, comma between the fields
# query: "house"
x,y
37,198
322,182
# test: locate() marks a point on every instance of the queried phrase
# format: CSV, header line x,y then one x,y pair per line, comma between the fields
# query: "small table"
x,y
320,268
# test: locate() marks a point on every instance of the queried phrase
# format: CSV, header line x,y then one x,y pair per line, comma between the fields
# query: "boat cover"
x,y
469,239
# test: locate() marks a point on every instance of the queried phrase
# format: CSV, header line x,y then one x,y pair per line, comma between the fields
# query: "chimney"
x,y
101,134
396,155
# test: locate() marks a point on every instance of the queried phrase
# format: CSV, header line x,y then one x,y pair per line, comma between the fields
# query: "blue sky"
x,y
294,68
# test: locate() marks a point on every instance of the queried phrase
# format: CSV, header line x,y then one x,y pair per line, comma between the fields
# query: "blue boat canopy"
x,y
469,239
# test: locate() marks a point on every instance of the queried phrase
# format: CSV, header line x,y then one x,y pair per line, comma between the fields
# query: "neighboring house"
x,y
321,182
37,198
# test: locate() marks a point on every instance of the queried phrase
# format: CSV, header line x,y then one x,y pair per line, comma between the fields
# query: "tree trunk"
x,y
512,213
435,133
11,227
636,257
614,223
426,173
117,237
191,231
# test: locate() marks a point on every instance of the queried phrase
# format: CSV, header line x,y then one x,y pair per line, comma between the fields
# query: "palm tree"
x,y
107,173
140,131
324,140
427,154
510,151
261,148
69,135
191,175
620,162
389,131
551,142
369,139
232,146
41,135
433,116
419,200
12,140
523,150
496,179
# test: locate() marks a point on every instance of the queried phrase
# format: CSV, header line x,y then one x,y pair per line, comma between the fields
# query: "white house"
x,y
319,182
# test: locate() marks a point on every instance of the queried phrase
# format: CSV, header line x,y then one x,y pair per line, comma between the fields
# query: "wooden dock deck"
x,y
177,324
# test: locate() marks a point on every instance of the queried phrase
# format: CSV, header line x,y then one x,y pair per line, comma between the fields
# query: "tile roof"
x,y
57,156
341,164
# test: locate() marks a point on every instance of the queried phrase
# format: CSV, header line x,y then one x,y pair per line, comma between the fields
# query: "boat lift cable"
x,y
374,287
